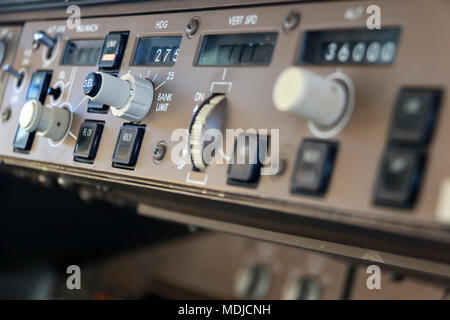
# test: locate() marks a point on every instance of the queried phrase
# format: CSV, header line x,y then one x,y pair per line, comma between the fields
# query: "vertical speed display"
x,y
159,51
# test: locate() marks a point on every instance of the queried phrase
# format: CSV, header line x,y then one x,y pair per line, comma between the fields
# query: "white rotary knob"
x,y
130,98
50,122
310,96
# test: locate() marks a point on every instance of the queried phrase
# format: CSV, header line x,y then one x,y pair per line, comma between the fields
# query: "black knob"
x,y
41,37
18,75
54,92
92,84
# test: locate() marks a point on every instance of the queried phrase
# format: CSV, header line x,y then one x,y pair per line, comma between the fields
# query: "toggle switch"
x,y
130,98
19,76
50,122
42,38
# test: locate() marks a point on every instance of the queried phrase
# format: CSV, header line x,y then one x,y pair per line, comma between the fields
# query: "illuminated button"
x,y
113,50
88,141
313,167
128,146
399,178
414,117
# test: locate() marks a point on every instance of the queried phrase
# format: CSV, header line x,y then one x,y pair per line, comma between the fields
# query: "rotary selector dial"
x,y
209,115
130,98
47,121
310,96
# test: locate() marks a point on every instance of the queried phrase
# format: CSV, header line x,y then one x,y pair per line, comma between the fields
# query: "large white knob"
x,y
310,96
130,98
50,122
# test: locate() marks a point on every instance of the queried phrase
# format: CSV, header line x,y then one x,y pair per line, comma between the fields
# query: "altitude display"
x,y
159,51
244,49
353,46
82,52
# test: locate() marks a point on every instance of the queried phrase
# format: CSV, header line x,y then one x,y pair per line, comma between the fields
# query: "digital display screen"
x,y
159,51
245,49
82,52
352,46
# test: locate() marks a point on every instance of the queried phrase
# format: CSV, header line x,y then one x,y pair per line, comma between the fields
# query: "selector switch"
x,y
399,177
313,167
128,146
130,98
414,117
310,96
88,141
50,122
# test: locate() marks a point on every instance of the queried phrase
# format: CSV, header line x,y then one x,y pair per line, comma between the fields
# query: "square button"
x,y
23,140
313,167
414,117
88,141
128,146
113,50
399,178
246,168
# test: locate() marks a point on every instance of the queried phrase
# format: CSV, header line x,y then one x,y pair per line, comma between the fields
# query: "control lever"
x,y
40,37
19,76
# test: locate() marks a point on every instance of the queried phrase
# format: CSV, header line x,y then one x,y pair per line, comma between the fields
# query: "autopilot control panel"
x,y
339,123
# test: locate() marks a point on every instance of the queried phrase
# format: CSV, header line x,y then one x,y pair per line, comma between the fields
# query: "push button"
x,y
23,140
414,117
88,141
399,178
313,167
128,146
113,50
246,167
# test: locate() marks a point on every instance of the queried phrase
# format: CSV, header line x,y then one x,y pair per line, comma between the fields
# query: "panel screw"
x,y
192,27
159,151
6,114
292,20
